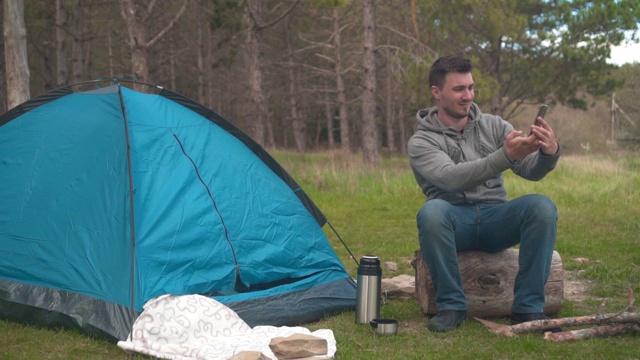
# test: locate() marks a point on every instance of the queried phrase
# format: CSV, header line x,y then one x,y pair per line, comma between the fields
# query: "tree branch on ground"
x,y
608,324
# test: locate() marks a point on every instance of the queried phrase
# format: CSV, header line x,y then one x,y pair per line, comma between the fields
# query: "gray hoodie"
x,y
466,167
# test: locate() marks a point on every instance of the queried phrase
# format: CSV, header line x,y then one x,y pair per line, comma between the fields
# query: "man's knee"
x,y
542,208
434,213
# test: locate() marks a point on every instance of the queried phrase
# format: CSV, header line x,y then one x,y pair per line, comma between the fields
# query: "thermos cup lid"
x,y
369,265
385,326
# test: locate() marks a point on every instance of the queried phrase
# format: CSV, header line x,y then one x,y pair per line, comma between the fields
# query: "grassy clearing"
x,y
373,210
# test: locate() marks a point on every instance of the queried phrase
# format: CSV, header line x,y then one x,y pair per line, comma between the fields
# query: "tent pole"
x,y
131,206
343,243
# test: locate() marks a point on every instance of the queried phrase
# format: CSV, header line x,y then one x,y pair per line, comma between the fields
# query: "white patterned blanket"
x,y
195,327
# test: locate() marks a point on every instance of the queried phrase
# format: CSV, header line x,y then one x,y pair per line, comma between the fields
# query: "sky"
x,y
622,54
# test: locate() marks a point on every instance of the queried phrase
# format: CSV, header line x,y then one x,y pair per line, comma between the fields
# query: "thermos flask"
x,y
368,289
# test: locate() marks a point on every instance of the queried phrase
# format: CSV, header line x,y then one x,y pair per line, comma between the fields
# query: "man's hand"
x,y
546,139
518,147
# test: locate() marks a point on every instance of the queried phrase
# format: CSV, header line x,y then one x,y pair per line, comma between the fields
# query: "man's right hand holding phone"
x,y
544,133
542,111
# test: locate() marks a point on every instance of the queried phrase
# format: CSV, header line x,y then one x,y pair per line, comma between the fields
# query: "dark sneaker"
x,y
447,320
519,318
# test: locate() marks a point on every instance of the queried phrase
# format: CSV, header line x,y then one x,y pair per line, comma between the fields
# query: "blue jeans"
x,y
445,229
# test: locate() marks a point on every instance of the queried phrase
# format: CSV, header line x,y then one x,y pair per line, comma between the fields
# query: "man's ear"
x,y
435,92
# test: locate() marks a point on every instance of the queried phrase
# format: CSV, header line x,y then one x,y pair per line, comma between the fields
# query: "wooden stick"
x,y
624,317
537,325
583,334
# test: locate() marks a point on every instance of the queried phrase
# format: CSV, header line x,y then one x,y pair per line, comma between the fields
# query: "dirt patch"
x,y
575,289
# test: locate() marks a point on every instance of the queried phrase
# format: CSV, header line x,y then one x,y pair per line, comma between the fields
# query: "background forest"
x,y
340,74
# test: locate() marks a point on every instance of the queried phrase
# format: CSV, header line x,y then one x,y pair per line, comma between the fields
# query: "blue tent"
x,y
112,197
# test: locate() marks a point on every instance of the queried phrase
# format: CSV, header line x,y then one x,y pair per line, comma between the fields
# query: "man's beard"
x,y
454,114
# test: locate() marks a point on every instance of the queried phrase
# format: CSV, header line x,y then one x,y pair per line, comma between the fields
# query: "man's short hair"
x,y
446,64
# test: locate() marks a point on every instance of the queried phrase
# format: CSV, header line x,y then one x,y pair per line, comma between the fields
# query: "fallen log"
x,y
487,281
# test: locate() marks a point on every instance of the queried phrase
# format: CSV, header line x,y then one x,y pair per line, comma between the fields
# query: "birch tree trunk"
x,y
15,52
370,145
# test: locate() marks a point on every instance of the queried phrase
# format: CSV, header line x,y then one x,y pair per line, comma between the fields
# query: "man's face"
x,y
456,96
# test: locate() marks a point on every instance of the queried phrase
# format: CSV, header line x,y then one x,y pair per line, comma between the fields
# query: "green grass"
x,y
373,211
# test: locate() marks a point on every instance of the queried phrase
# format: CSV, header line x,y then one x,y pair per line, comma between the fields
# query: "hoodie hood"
x,y
428,118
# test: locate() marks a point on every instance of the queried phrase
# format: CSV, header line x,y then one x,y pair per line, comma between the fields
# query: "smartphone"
x,y
541,113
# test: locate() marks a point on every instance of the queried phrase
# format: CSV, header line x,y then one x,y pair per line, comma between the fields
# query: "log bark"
x,y
610,325
599,331
538,325
487,280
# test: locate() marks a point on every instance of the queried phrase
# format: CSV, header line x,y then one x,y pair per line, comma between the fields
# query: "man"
x,y
457,156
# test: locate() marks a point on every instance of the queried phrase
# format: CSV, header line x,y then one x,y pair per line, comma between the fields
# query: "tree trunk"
x,y
207,55
200,53
297,123
258,112
260,126
390,118
345,141
172,65
328,111
136,16
15,52
3,83
77,46
370,146
136,22
110,52
487,280
496,104
402,129
62,65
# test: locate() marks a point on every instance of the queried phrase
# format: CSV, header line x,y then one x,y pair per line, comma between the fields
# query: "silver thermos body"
x,y
368,292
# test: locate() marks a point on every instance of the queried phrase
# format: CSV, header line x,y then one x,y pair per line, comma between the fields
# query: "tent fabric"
x,y
113,197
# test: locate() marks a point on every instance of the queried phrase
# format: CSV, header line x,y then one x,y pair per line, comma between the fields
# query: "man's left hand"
x,y
546,137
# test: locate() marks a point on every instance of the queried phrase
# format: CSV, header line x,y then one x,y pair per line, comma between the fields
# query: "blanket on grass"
x,y
195,327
